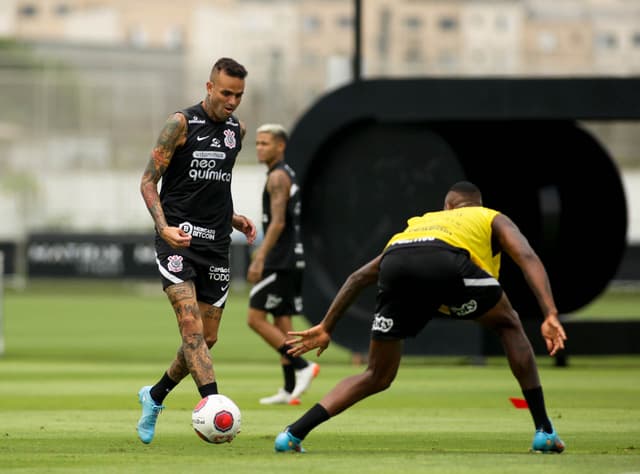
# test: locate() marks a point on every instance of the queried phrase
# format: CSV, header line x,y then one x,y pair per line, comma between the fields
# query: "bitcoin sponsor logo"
x,y
186,227
197,231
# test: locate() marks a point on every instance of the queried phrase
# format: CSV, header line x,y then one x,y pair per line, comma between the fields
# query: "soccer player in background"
x,y
194,217
277,266
444,263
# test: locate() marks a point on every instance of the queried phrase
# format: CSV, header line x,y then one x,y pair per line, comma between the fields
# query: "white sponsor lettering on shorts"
x,y
382,324
272,301
465,309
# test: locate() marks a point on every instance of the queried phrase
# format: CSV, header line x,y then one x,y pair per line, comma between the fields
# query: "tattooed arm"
x,y
173,134
278,186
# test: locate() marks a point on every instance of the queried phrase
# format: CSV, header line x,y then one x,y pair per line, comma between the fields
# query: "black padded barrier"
x,y
374,153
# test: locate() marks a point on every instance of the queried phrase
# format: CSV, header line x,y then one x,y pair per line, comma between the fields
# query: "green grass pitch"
x,y
76,356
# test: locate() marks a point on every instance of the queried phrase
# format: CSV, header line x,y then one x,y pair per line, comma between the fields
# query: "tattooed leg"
x,y
178,368
194,351
211,317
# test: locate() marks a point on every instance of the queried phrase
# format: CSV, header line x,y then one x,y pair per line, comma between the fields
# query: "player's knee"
x,y
256,320
189,325
252,323
512,322
503,320
382,385
379,381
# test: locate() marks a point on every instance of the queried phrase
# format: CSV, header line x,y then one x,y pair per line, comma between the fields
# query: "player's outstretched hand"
x,y
553,334
314,337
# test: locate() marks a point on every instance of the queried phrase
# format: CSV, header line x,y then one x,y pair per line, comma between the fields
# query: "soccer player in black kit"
x,y
194,218
277,265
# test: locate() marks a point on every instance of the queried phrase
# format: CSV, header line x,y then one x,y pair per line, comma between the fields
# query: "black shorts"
x,y
210,273
417,283
279,293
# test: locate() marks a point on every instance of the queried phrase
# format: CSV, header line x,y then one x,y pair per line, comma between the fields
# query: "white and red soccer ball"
x,y
216,419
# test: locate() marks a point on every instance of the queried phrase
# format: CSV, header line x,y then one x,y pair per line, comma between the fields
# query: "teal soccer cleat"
x,y
285,441
547,442
150,412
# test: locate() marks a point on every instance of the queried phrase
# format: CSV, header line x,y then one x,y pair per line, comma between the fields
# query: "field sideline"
x,y
76,356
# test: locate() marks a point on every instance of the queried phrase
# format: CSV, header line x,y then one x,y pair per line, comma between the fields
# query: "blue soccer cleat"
x,y
547,442
285,441
150,412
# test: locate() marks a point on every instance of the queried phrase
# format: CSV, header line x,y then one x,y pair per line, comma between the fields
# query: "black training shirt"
x,y
196,187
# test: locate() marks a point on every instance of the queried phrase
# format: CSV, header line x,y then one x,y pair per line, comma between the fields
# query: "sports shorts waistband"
x,y
423,242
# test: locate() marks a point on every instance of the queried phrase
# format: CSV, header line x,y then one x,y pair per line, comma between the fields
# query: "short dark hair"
x,y
462,194
465,187
230,66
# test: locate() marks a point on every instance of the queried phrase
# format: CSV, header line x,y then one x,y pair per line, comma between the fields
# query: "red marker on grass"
x,y
518,402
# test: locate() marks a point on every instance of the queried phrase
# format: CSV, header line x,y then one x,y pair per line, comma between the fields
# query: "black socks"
x,y
535,400
312,418
297,362
208,389
289,377
161,389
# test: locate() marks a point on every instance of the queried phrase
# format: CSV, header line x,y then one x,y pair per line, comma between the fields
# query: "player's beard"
x,y
218,113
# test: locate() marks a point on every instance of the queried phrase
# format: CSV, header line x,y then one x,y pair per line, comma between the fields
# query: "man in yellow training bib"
x,y
444,263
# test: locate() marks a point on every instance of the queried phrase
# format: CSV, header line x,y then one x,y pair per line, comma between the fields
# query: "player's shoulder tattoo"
x,y
174,132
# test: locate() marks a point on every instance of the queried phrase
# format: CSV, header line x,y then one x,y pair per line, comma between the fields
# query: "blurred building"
x,y
87,84
311,41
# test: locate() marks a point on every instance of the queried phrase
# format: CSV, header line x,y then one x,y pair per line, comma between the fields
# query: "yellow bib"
x,y
468,228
